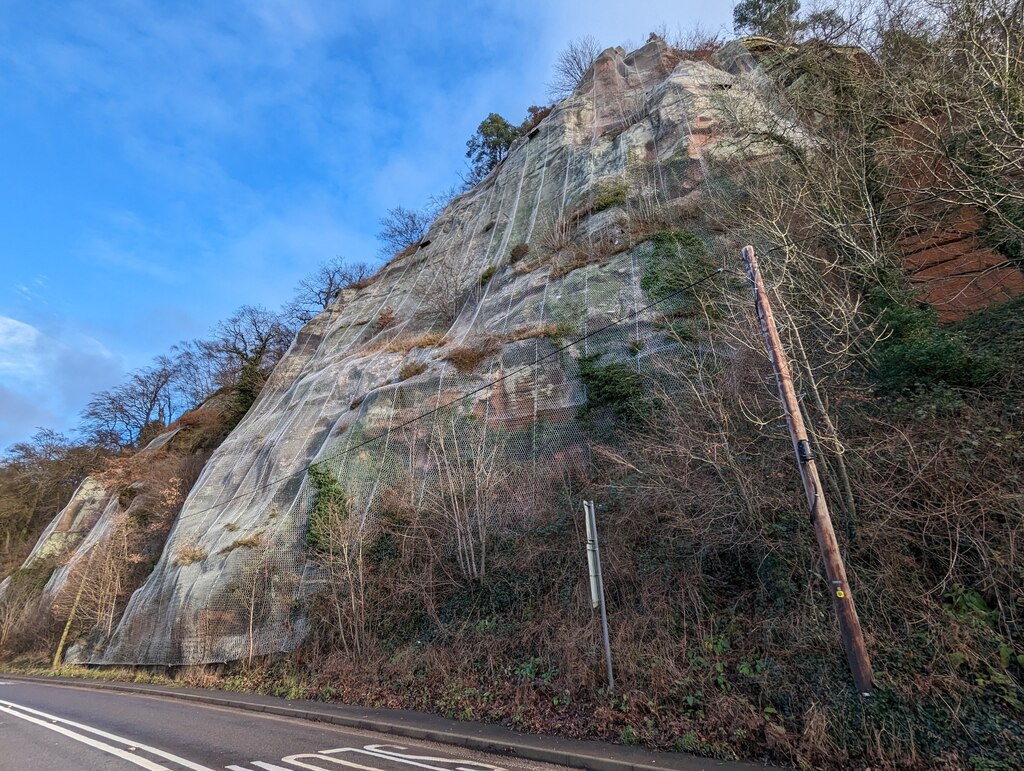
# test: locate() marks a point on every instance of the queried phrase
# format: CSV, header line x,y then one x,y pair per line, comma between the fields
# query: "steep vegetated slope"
x,y
399,509
106,540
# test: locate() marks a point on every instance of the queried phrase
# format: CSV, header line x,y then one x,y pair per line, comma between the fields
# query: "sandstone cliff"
x,y
580,192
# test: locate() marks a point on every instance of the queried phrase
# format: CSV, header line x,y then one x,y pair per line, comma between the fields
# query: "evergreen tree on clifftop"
x,y
489,146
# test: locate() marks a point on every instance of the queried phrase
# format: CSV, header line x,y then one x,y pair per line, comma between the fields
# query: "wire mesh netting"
x,y
465,383
472,452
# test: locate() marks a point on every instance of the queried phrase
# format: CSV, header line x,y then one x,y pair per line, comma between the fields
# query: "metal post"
x,y
842,597
597,584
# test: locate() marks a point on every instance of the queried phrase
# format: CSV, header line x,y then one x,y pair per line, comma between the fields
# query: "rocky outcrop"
x,y
955,272
947,261
575,191
101,544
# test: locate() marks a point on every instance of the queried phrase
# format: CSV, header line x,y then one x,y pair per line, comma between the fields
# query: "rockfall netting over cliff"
x,y
463,384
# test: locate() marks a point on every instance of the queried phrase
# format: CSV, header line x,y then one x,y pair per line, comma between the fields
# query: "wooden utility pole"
x,y
842,597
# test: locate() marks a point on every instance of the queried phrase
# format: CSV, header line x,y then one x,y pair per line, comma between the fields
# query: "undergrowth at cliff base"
x,y
722,634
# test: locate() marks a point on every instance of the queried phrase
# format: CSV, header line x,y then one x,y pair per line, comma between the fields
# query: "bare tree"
x,y
449,287
240,355
37,477
131,412
252,340
439,201
316,291
246,348
195,375
474,485
16,601
96,585
572,64
336,535
402,228
956,91
695,38
255,586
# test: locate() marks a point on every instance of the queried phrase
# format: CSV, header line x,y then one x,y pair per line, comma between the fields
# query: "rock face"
x,y
955,272
85,520
378,357
89,519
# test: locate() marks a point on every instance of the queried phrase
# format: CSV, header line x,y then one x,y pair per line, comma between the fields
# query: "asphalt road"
x,y
50,727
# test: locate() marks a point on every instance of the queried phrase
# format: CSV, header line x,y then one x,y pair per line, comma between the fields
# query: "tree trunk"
x,y
67,627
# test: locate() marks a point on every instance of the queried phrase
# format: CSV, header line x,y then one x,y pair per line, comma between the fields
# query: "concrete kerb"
x,y
476,736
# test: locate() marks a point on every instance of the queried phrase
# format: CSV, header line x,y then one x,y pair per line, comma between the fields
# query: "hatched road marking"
x,y
381,757
327,760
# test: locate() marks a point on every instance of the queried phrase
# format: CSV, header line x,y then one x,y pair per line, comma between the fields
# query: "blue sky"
x,y
164,163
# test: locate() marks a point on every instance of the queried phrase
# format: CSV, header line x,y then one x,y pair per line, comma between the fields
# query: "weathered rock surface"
x,y
955,272
88,519
635,117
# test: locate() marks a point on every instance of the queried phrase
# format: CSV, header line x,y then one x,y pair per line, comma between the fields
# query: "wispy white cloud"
x,y
18,343
46,378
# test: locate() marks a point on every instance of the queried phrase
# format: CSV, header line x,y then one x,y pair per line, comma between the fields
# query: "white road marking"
x,y
383,756
462,765
90,742
114,737
293,759
386,752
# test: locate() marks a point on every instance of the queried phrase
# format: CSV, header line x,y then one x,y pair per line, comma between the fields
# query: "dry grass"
x,y
365,282
562,253
578,257
559,235
411,369
528,333
253,541
408,251
518,252
467,358
189,554
386,319
407,343
206,420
